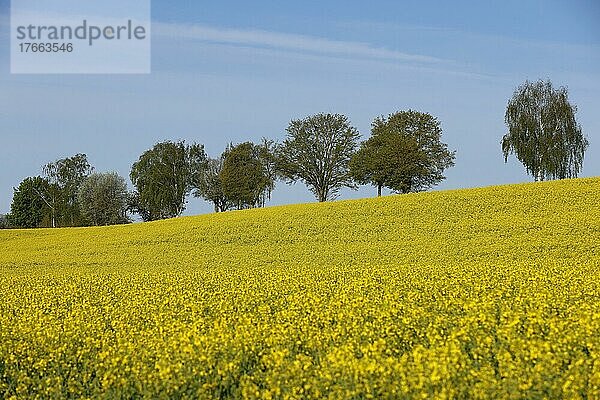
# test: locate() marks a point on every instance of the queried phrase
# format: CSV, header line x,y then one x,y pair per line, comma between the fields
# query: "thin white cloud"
x,y
288,42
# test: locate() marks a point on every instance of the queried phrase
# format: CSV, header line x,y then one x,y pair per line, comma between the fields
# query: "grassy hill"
x,y
479,293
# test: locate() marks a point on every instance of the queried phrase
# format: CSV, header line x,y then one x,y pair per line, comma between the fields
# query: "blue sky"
x,y
233,71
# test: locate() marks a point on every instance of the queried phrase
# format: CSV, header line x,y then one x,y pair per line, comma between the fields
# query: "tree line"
x,y
404,153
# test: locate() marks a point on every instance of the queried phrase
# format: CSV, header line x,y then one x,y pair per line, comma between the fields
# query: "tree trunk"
x,y
321,195
378,190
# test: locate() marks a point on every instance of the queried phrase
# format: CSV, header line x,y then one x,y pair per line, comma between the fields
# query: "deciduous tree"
x,y
244,176
29,207
316,151
543,132
404,153
102,198
164,176
209,186
66,175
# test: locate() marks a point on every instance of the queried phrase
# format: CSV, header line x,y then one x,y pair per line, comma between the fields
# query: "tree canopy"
x,y
102,198
29,207
164,176
66,175
404,153
317,151
209,185
543,132
244,176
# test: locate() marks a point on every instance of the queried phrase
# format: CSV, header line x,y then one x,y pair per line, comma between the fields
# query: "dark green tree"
x,y
29,208
316,151
209,186
543,132
164,176
404,153
67,175
102,198
243,177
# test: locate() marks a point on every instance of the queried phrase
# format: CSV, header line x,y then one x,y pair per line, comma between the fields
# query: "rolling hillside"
x,y
479,293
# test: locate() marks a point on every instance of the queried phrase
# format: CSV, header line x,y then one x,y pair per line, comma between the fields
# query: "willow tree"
x,y
543,132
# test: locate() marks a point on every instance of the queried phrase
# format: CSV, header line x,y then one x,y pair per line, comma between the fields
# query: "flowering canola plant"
x,y
480,293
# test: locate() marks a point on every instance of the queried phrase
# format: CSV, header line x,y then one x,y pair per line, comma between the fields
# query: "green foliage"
x,y
102,198
244,176
66,175
209,186
249,178
317,151
404,153
164,176
543,132
28,207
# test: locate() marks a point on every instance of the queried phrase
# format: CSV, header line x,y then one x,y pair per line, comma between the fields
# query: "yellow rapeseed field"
x,y
481,293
